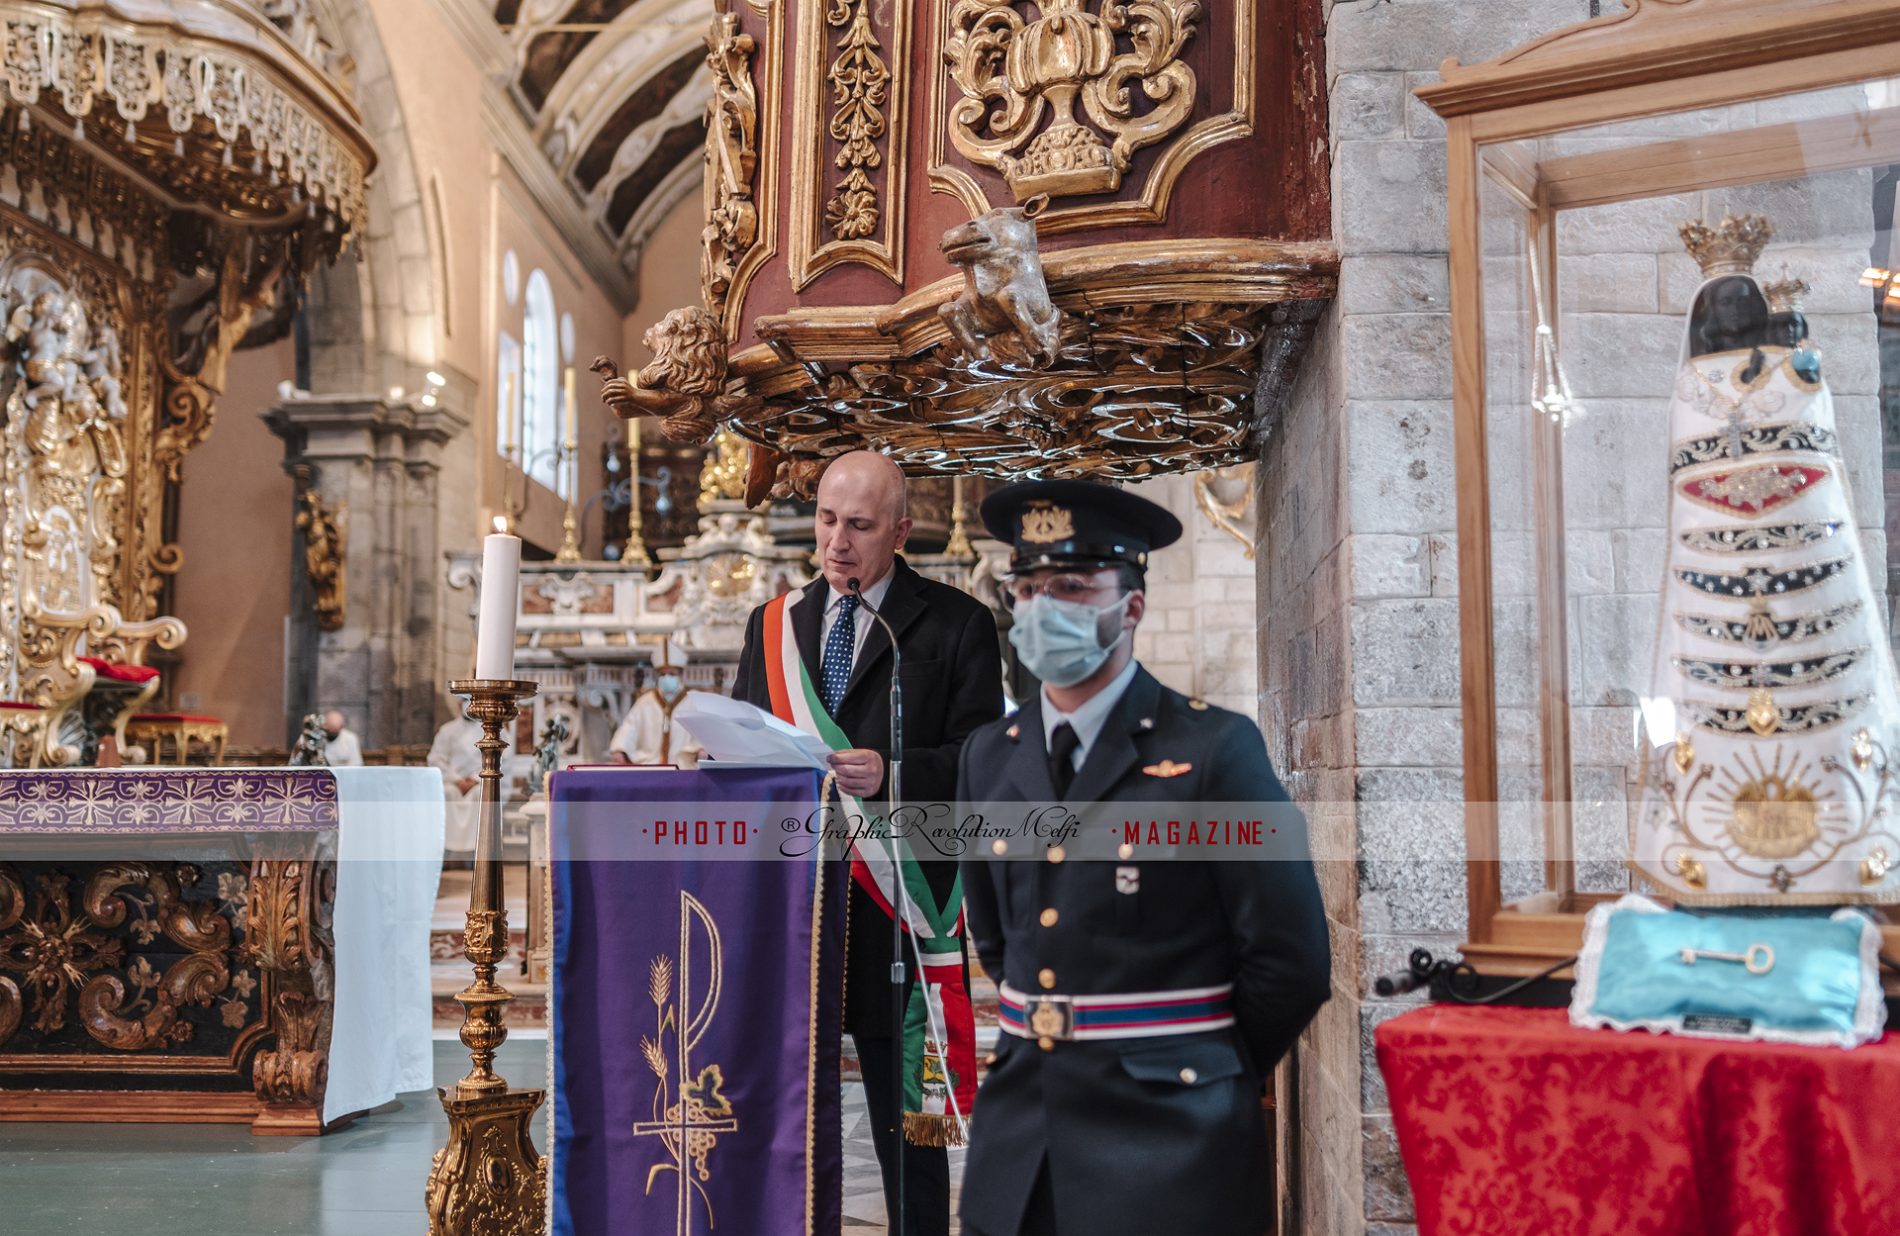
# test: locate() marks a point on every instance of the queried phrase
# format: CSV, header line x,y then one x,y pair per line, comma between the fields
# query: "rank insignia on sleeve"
x,y
1167,768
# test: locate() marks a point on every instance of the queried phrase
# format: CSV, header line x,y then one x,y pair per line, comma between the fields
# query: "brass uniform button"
x,y
999,846
1047,978
1049,917
1057,854
1198,705
1124,850
1046,1043
1189,1077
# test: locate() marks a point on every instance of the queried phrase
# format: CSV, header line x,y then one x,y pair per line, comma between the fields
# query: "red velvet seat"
x,y
120,673
20,705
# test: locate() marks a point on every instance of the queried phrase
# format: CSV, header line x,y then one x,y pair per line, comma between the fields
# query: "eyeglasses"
x,y
1066,587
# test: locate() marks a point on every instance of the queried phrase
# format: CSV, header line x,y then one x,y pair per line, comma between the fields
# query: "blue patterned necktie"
x,y
840,646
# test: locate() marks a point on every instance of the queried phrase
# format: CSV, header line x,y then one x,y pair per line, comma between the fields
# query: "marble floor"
x,y
365,1180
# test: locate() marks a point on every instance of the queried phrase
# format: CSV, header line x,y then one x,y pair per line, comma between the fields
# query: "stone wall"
x,y
1357,578
1198,632
1358,608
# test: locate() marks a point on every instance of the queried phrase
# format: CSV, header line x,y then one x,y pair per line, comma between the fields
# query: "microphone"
x,y
900,909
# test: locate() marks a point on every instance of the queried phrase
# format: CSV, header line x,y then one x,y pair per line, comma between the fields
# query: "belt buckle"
x,y
1051,1017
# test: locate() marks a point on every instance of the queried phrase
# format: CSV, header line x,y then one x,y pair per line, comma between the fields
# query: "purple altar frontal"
x,y
697,1017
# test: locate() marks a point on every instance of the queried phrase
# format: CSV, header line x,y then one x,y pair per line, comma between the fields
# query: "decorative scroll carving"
x,y
75,957
683,381
1061,104
849,137
1005,296
1015,73
860,85
290,899
323,549
138,70
732,155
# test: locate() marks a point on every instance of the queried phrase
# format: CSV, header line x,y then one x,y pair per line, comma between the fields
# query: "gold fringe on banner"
x,y
926,1129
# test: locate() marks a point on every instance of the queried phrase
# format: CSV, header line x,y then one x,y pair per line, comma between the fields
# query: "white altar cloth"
x,y
389,860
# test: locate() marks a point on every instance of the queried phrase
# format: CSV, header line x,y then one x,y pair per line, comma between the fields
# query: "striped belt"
x,y
1134,1015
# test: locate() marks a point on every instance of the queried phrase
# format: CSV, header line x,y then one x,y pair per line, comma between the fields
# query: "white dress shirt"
x,y
1089,717
875,594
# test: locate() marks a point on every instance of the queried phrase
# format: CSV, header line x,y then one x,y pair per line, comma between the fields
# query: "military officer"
x,y
1144,997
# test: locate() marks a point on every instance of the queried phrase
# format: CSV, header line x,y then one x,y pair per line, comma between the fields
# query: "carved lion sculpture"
x,y
682,382
1005,297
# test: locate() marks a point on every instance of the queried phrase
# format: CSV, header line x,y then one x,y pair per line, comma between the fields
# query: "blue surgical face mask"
x,y
669,685
1060,641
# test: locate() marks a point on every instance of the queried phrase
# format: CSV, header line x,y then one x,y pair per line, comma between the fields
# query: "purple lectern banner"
x,y
697,1018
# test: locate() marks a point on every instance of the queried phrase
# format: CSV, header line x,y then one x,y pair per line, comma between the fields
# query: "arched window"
x,y
508,396
541,386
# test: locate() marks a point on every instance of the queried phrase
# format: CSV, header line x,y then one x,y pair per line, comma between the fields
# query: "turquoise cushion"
x,y
1823,986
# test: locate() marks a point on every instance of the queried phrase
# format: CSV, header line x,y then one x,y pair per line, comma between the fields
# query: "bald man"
x,y
952,667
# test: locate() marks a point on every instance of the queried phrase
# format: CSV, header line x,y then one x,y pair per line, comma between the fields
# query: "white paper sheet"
x,y
735,732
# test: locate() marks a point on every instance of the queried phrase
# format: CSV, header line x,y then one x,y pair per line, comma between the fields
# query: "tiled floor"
x,y
366,1180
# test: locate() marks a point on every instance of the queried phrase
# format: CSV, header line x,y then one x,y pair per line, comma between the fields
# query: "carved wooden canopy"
x,y
1074,237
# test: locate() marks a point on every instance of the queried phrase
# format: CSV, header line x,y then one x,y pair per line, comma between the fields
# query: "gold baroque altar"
x,y
165,176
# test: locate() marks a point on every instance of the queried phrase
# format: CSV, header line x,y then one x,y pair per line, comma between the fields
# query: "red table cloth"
x,y
1513,1122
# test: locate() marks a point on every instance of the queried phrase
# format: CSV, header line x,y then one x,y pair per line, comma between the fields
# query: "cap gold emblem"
x,y
1044,524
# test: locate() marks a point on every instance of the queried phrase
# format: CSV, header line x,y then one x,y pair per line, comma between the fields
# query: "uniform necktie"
x,y
1062,745
840,646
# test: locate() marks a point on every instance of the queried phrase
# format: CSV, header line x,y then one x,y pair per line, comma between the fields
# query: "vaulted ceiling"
x,y
613,94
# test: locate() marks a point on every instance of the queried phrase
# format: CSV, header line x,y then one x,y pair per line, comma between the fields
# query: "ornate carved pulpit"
x,y
1001,239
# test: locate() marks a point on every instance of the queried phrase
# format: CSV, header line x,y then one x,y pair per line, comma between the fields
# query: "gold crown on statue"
x,y
1730,247
1784,295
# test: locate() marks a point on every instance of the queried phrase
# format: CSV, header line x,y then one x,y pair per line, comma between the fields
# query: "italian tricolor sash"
x,y
939,1025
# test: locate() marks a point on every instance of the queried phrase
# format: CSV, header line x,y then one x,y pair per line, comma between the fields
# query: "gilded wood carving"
x,y
322,526
850,135
732,156
1059,104
683,381
1064,67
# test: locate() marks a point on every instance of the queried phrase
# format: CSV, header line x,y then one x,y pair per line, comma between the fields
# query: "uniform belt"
x,y
1135,1015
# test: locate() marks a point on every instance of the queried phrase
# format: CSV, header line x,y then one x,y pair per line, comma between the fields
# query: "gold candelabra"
x,y
488,1180
635,552
959,544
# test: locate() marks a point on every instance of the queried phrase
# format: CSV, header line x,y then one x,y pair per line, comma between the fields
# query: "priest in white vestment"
x,y
648,734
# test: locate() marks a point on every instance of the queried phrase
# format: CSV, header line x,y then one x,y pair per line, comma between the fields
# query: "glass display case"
x,y
1675,333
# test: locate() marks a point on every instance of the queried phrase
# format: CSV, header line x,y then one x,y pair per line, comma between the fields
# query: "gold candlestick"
x,y
636,551
488,1180
959,544
570,460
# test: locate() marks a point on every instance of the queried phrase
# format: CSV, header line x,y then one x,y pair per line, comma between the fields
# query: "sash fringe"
x,y
928,1129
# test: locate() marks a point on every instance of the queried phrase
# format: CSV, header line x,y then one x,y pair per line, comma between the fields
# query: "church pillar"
x,y
372,464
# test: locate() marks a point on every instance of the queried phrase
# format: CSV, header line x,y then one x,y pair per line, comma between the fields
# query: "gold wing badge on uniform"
x,y
1167,768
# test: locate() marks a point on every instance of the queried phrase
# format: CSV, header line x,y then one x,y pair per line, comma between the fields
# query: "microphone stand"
x,y
900,899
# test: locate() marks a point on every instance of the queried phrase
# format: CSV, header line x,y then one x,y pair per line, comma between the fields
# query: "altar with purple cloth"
x,y
697,997
221,945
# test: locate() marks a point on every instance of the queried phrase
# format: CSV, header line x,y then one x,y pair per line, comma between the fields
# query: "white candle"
x,y
501,586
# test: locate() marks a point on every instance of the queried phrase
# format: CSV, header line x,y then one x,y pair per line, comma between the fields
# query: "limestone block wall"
x,y
1357,578
1198,632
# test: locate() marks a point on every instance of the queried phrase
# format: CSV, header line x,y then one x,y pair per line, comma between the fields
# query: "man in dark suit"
x,y
1144,997
952,677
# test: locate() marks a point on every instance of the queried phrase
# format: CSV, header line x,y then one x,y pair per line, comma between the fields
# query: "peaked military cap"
x,y
1076,523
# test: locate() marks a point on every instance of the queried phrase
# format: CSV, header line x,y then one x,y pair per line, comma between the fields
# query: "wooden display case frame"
x,y
1657,57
